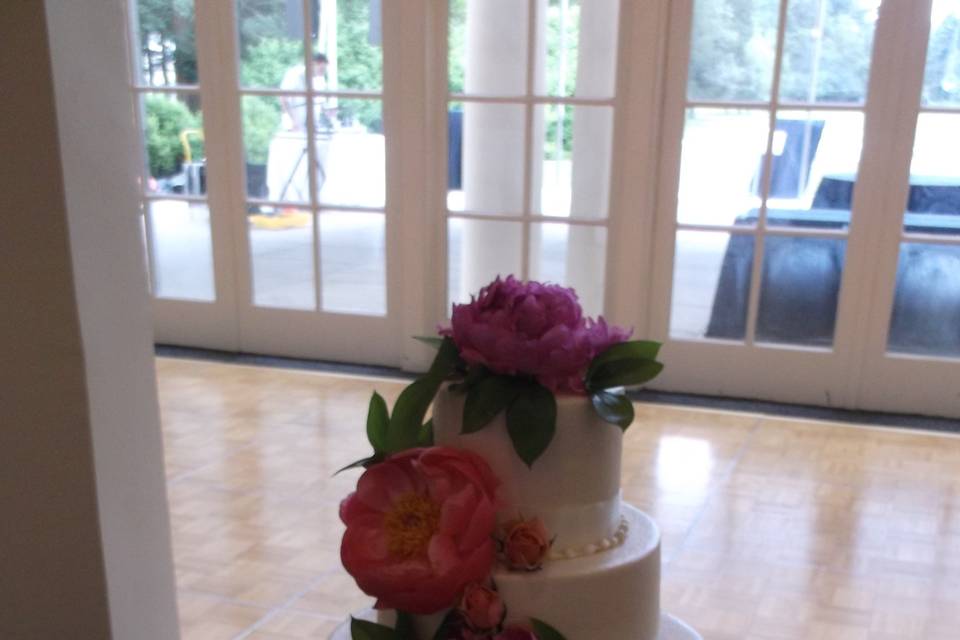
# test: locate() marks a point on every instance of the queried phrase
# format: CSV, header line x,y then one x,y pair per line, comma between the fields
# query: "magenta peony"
x,y
420,527
529,328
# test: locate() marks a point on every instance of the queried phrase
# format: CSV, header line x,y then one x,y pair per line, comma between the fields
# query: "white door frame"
x,y
893,381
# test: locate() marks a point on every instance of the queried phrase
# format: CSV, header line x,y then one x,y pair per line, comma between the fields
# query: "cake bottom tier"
x,y
616,590
614,593
670,628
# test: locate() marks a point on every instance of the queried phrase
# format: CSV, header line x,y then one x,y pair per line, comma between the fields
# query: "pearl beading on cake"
x,y
591,548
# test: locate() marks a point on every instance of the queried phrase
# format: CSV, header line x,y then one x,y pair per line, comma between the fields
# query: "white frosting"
x,y
602,578
614,594
574,487
590,548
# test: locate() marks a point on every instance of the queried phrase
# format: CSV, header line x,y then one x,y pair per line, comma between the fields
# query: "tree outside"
x,y
732,53
942,81
733,44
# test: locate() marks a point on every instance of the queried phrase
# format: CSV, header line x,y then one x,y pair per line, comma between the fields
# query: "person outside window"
x,y
295,107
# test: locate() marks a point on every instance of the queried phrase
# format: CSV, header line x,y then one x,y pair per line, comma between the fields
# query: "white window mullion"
x,y
664,233
766,178
235,160
312,152
529,140
631,243
214,69
415,119
896,89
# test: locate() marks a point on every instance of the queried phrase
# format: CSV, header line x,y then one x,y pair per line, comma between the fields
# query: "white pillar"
x,y
592,133
493,135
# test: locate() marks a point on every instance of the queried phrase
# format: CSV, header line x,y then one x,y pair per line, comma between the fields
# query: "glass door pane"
x,y
925,318
765,190
177,223
281,259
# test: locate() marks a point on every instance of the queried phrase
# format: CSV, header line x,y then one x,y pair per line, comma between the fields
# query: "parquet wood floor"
x,y
773,529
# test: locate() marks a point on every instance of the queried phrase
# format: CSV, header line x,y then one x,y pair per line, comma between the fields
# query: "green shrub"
x,y
261,119
264,65
166,118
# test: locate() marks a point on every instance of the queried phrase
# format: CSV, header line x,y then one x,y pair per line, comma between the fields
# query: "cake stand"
x,y
670,628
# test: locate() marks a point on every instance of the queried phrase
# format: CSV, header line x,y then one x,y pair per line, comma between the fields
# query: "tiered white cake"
x,y
603,571
602,577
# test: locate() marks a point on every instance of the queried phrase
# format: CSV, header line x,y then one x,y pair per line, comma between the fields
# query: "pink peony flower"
x,y
482,607
515,633
419,528
529,328
525,544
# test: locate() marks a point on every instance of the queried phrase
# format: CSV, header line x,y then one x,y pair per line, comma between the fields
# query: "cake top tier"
x,y
574,486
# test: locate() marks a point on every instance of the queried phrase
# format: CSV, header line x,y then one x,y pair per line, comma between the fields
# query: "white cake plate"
x,y
670,628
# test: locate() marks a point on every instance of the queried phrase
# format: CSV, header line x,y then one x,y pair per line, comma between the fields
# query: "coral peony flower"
x,y
525,544
419,528
516,633
482,607
530,328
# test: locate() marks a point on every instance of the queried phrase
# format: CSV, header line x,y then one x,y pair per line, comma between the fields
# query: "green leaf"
x,y
623,373
544,631
408,413
406,423
365,462
366,630
425,438
531,422
486,400
430,341
473,375
633,350
614,408
404,626
446,360
378,423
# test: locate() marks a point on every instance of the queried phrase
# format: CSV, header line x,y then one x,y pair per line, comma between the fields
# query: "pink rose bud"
x,y
482,607
516,633
525,544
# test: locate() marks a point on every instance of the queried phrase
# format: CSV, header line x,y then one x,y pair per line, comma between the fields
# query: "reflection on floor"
x,y
773,529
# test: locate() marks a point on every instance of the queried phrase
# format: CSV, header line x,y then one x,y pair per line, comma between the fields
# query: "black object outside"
x,y
454,150
801,276
790,170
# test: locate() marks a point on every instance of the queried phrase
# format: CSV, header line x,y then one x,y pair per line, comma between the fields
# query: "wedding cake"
x,y
501,517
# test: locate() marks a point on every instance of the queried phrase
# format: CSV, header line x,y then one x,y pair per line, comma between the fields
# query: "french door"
x,y
785,267
269,227
768,186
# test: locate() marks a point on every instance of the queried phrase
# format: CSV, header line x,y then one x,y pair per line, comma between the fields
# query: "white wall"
x,y
98,145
